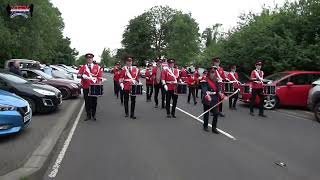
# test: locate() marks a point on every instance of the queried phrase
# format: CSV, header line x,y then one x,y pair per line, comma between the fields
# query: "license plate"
x,y
27,118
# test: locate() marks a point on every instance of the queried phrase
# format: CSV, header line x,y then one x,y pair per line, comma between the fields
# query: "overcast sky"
x,y
96,24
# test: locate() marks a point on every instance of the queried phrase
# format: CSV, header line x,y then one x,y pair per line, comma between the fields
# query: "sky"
x,y
94,25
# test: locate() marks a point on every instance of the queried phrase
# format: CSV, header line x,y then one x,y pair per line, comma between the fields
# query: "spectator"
x,y
47,69
15,68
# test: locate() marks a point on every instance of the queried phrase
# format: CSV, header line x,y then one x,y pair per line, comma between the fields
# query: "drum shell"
x,y
95,90
136,89
181,88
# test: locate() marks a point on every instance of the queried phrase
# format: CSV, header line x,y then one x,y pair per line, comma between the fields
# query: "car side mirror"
x,y
289,84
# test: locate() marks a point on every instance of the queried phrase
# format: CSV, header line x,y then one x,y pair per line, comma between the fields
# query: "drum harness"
x,y
94,79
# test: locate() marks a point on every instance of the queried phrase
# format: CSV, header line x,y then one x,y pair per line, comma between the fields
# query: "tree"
x,y
211,35
106,58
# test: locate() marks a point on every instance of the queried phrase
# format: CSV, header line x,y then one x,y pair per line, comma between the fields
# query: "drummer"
x,y
211,97
221,77
184,74
196,75
149,81
90,73
129,76
233,77
170,78
192,88
156,74
257,88
116,75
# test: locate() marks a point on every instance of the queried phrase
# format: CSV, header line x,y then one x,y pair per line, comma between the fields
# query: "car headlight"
x,y
44,92
7,108
74,85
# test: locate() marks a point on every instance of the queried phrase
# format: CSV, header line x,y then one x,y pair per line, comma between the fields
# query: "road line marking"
x,y
194,117
56,166
294,116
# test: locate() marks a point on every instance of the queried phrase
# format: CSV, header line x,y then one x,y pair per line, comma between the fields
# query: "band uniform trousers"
x,y
149,91
90,103
157,88
206,116
126,95
257,92
197,90
233,100
170,95
192,92
117,88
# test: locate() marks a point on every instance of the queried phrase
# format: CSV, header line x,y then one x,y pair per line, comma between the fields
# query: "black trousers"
x,y
206,117
170,95
197,90
90,103
192,91
233,100
116,87
157,88
126,95
149,91
257,92
121,95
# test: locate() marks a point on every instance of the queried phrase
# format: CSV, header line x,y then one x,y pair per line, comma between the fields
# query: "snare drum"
x,y
95,90
269,89
136,89
229,88
181,88
246,89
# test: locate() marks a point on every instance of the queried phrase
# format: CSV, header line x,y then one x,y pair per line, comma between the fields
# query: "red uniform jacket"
x,y
220,74
154,75
256,84
183,75
116,73
169,79
95,73
149,77
203,79
235,77
126,80
192,81
196,74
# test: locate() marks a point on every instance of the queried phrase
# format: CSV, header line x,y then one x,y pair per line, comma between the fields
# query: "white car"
x,y
314,99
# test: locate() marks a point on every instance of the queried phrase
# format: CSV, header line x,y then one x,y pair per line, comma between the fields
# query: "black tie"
x,y
89,67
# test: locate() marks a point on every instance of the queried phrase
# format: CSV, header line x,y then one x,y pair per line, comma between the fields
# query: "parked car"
x,y
314,99
292,89
68,88
24,63
68,68
15,113
60,72
41,97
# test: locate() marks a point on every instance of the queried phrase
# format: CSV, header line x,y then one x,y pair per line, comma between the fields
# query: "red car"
x,y
292,89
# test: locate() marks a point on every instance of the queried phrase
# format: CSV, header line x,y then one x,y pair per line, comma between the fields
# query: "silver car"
x,y
314,99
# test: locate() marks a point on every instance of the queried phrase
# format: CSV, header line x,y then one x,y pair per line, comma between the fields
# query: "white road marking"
x,y
291,115
56,166
194,117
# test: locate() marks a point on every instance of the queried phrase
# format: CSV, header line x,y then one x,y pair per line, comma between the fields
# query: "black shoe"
x,y
126,115
214,130
173,116
156,106
94,118
221,115
162,107
206,129
188,102
168,116
195,103
251,113
262,115
133,117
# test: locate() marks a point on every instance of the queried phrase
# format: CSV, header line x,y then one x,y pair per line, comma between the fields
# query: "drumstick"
x,y
218,103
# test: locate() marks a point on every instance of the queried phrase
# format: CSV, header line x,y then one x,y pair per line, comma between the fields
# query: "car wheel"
x,y
271,102
317,111
32,104
65,93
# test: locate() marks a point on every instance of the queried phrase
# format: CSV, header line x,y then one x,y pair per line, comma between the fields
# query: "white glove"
x,y
165,87
84,76
122,86
134,81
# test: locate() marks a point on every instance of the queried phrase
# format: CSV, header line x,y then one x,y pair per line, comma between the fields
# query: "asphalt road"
x,y
16,149
155,147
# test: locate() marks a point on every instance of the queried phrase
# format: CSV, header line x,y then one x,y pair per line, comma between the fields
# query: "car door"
x,y
4,86
297,92
29,75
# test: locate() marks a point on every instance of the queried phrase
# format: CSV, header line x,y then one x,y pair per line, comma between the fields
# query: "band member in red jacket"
x,y
202,81
257,88
156,74
184,74
149,81
197,76
220,75
129,75
116,76
90,73
233,77
170,78
192,82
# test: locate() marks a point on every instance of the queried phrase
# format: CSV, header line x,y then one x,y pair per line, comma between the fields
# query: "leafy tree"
x,y
106,58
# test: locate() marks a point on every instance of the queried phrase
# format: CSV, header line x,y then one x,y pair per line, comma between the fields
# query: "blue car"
x,y
15,113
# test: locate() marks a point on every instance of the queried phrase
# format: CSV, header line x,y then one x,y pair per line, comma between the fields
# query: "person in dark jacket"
x,y
15,68
212,94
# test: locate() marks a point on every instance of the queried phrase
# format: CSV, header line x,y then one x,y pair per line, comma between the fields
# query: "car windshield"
x,y
13,78
41,73
276,76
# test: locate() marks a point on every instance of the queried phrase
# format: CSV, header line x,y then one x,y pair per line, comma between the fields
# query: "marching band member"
x,y
219,72
149,81
192,87
170,77
116,75
257,88
156,73
202,80
196,76
212,96
184,74
233,77
129,76
89,73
